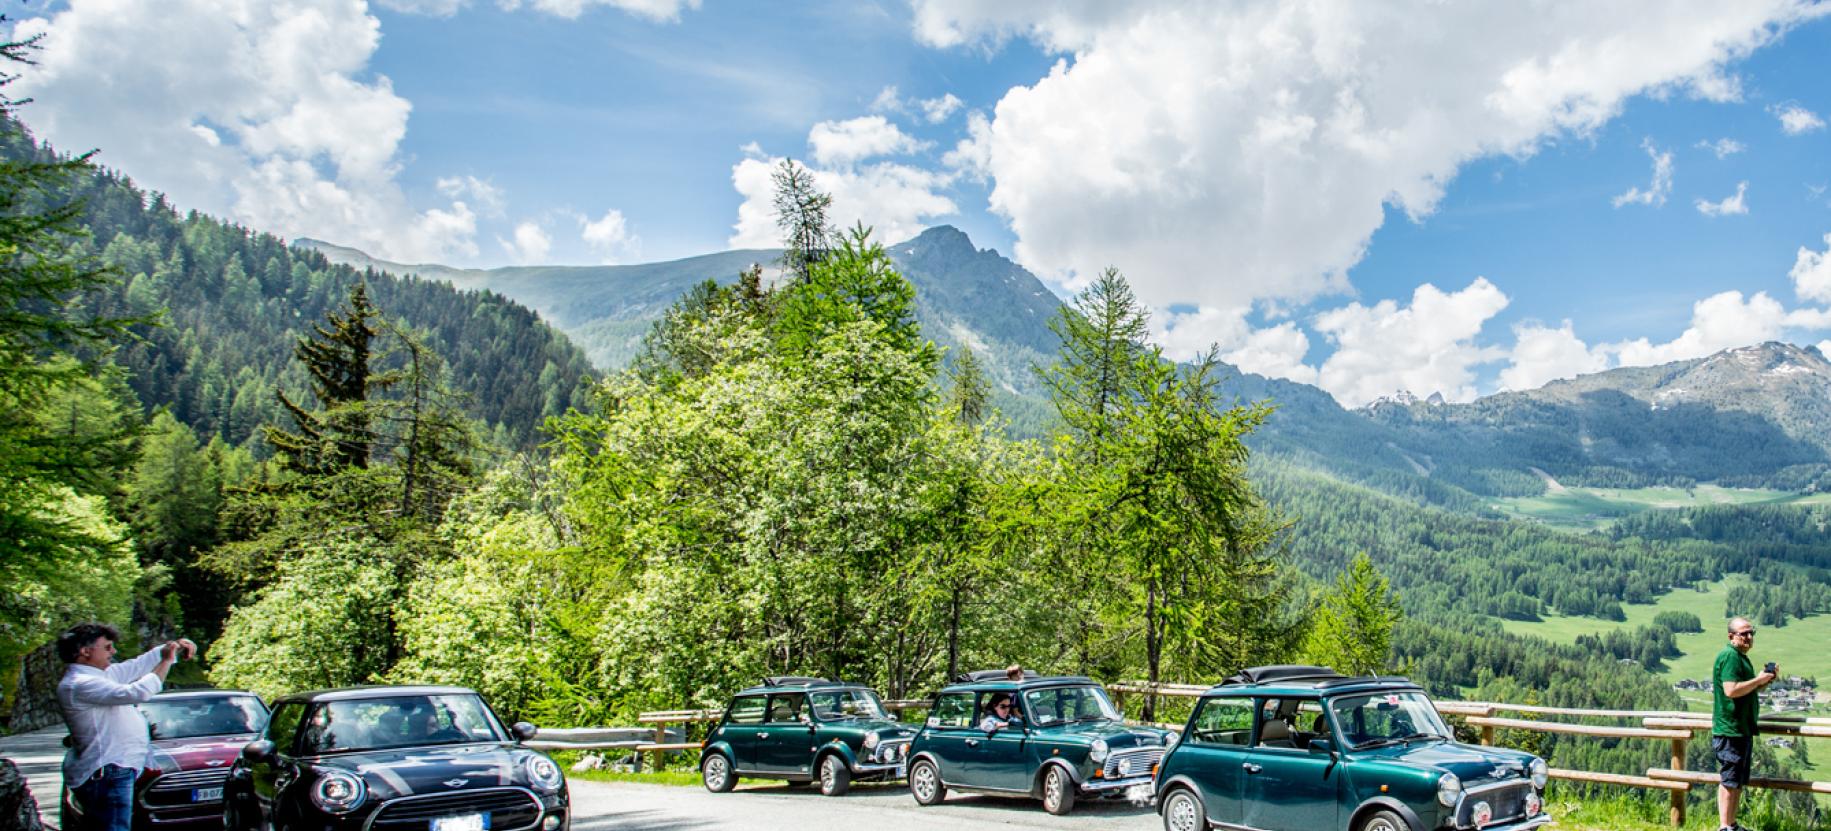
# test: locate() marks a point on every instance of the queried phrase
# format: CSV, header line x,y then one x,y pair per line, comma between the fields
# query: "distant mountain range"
x,y
1757,416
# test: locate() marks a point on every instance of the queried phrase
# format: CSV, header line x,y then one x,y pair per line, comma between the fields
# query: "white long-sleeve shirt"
x,y
105,726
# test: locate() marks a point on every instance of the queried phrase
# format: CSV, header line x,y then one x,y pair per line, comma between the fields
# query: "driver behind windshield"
x,y
424,724
999,713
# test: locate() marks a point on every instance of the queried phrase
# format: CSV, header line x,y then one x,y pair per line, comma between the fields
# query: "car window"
x,y
1058,705
1223,721
184,718
785,707
285,725
397,721
747,709
840,705
1387,717
952,710
1290,722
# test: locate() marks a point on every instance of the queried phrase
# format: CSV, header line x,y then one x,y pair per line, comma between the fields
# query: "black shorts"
x,y
1733,754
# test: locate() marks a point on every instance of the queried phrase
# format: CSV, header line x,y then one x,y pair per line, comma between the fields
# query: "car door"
x,y
999,759
785,744
742,724
264,775
1285,786
1213,755
950,727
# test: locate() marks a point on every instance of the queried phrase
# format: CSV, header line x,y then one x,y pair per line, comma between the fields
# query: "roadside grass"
x,y
685,778
1591,509
1633,813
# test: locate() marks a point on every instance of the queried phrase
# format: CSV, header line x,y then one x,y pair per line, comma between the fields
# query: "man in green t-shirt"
x,y
1733,684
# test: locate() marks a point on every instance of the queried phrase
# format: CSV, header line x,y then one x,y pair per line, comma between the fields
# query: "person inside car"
x,y
1000,712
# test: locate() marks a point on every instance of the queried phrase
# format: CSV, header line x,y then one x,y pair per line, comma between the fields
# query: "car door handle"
x,y
762,735
1251,768
972,742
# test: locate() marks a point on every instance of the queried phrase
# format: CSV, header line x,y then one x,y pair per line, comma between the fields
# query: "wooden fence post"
x,y
1678,797
1487,734
661,737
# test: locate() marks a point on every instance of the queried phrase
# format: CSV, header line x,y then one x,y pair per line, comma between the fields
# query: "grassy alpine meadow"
x,y
1593,509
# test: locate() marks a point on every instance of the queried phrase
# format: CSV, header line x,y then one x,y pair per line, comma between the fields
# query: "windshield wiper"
x,y
1420,735
1373,743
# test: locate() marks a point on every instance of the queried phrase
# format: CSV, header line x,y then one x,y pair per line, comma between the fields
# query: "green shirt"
x,y
1732,716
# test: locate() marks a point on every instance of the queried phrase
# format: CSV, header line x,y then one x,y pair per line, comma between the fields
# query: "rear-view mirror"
x,y
524,731
257,751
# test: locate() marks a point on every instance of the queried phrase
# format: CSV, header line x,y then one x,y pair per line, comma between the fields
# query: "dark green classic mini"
x,y
1297,748
805,730
1064,740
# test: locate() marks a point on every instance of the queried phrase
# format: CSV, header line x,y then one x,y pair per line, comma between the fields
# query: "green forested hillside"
x,y
231,302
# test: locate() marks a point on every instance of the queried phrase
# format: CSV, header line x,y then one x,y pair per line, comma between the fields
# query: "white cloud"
x,y
1657,190
530,245
894,200
848,142
937,110
609,236
1721,321
1795,120
972,157
1728,205
887,101
1426,347
1275,352
1542,354
1723,147
264,113
1811,273
487,197
660,11
1225,153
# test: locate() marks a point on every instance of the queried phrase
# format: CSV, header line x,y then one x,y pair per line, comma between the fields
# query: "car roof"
x,y
995,680
797,683
171,695
1304,680
377,691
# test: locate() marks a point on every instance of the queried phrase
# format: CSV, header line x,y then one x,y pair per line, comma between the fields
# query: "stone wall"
x,y
18,810
35,699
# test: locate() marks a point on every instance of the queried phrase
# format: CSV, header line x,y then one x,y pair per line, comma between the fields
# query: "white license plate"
x,y
902,770
467,822
206,794
1139,793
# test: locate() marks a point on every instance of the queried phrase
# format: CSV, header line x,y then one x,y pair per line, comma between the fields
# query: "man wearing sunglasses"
x,y
1733,684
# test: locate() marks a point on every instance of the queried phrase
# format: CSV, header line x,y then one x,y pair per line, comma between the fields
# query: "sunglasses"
x,y
1748,632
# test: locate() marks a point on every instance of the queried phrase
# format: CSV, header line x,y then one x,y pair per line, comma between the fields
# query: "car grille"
x,y
509,809
1124,764
1507,801
168,798
890,751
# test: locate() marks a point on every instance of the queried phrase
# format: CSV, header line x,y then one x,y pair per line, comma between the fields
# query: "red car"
x,y
197,735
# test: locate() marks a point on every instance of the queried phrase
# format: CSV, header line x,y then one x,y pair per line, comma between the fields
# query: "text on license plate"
x,y
206,794
467,822
902,771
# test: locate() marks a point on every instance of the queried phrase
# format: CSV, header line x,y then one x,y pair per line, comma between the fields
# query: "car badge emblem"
x,y
455,783
1499,772
214,762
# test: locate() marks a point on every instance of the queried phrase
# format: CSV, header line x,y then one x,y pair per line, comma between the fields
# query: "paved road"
x,y
618,806
763,806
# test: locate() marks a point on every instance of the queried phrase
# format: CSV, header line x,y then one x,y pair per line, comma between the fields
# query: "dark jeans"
x,y
1734,755
107,799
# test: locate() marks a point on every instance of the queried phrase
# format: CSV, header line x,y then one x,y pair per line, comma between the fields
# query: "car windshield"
x,y
839,705
1385,718
1060,705
399,721
184,718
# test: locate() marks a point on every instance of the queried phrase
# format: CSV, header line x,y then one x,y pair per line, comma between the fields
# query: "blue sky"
x,y
1360,195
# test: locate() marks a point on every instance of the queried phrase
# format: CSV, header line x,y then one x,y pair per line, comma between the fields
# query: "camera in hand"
x,y
1771,669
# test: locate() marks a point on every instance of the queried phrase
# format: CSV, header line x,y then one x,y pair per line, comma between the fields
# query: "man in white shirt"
x,y
109,739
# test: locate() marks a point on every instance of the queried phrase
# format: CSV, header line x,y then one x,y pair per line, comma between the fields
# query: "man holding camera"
x,y
109,738
1733,684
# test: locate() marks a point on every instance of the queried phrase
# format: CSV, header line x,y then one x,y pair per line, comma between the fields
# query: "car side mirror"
x,y
524,731
257,751
1323,747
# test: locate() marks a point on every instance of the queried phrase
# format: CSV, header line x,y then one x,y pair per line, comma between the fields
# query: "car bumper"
x,y
893,769
1108,785
1523,825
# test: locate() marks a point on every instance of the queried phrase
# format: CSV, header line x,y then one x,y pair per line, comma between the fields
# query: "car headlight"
x,y
871,739
543,774
338,791
1540,774
1449,789
1099,751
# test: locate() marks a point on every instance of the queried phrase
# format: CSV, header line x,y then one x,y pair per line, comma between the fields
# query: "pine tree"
x,y
968,393
801,213
338,358
1352,631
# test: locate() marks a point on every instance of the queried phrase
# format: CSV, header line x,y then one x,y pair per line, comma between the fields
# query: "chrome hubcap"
x,y
828,773
715,771
924,782
1052,790
1380,824
1181,813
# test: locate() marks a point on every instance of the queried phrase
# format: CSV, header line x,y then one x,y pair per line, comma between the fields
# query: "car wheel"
x,y
925,783
1058,791
715,771
1183,811
1383,820
835,779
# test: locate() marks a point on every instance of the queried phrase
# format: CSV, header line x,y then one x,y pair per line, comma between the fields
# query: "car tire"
x,y
1384,820
925,783
835,777
1058,791
1183,811
716,773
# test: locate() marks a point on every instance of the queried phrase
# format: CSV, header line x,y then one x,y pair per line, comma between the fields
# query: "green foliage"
x,y
1352,627
801,213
